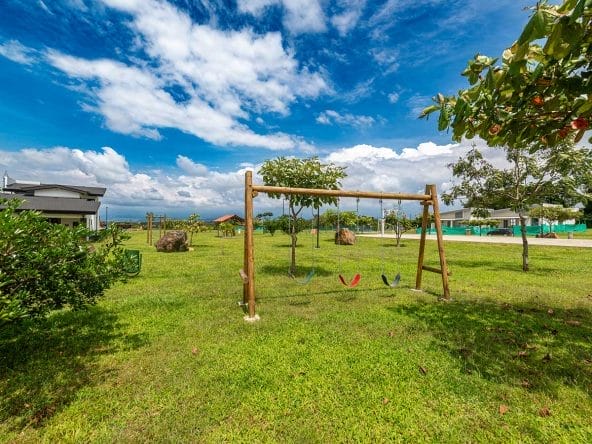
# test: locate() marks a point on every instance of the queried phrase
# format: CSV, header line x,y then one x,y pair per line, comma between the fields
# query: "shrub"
x,y
46,266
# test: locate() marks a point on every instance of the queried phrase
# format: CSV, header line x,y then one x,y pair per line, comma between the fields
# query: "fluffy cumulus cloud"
x,y
408,170
198,79
193,187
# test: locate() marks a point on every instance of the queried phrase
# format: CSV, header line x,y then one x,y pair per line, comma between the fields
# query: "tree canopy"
x,y
45,266
540,93
301,173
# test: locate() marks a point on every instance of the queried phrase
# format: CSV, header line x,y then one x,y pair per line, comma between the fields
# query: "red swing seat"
x,y
354,282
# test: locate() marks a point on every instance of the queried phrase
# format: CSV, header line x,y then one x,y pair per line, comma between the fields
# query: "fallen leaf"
x,y
391,334
544,412
588,361
194,350
550,312
423,370
525,383
522,353
529,347
503,409
573,322
385,401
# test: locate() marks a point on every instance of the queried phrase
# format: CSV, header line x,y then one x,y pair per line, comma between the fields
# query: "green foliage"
x,y
539,94
227,229
46,266
301,173
342,218
534,174
399,222
289,226
554,214
193,225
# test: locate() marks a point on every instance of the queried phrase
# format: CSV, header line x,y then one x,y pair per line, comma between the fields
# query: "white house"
x,y
69,205
507,217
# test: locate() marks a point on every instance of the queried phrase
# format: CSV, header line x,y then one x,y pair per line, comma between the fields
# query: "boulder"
x,y
548,235
345,237
173,241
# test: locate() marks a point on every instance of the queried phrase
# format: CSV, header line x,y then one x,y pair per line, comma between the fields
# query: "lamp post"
x,y
106,216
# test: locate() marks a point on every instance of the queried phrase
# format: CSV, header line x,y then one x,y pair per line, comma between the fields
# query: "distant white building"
x,y
69,205
507,217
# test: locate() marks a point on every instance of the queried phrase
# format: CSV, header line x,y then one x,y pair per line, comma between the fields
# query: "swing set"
x,y
430,198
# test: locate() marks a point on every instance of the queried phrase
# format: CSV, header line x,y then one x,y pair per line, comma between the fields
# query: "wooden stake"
x,y
422,241
249,263
439,237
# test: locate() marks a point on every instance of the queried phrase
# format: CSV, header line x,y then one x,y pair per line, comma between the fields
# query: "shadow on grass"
x,y
302,271
537,348
515,267
44,363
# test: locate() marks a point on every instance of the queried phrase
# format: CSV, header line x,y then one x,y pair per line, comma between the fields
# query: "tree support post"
x,y
443,270
248,272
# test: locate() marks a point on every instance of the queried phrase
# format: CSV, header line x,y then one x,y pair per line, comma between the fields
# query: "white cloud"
x,y
190,167
408,170
416,104
43,6
387,58
131,193
347,19
393,97
196,188
330,117
197,79
300,16
17,52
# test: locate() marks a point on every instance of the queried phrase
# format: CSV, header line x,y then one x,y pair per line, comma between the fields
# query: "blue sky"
x,y
166,103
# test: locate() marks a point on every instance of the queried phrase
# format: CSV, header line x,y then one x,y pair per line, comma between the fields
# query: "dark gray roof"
x,y
55,204
24,187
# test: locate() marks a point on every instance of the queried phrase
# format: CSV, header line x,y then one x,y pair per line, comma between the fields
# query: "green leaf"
x,y
428,110
567,6
443,119
537,27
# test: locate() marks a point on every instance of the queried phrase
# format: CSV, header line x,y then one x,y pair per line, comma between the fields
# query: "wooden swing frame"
x,y
430,198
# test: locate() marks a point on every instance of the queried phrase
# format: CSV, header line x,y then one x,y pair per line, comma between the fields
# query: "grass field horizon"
x,y
168,357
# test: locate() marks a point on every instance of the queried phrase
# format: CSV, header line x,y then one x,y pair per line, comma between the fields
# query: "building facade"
x,y
69,205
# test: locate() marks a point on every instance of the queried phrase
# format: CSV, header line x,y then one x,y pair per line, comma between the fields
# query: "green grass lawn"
x,y
168,357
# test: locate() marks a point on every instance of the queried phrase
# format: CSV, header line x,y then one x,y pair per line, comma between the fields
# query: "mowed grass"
x,y
168,357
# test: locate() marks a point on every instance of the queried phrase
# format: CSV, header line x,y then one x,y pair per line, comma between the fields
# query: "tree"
x,y
539,94
536,105
301,173
193,225
532,175
45,266
552,214
338,219
400,223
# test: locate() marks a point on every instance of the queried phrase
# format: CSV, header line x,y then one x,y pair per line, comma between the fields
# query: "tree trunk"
x,y
294,239
524,242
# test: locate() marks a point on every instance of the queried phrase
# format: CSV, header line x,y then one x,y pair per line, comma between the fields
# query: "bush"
x,y
45,266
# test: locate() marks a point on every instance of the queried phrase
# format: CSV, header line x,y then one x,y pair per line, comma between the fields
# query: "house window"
x,y
54,220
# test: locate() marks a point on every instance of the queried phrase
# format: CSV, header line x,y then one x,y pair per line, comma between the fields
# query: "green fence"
x,y
531,230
